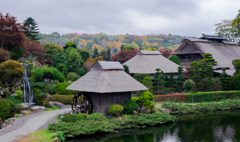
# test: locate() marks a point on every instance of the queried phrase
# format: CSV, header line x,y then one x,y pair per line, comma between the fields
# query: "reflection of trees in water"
x,y
210,127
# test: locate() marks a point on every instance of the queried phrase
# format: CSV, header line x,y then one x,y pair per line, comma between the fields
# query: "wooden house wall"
x,y
101,102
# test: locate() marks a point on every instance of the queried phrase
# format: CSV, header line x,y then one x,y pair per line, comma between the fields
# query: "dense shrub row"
x,y
65,99
199,96
86,127
183,108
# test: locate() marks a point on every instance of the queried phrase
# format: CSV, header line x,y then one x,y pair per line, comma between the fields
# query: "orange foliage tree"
x,y
90,62
165,52
124,55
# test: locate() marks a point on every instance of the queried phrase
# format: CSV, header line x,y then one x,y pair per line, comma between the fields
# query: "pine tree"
x,y
122,47
159,81
95,53
208,62
30,28
108,54
225,79
126,69
147,81
172,82
180,79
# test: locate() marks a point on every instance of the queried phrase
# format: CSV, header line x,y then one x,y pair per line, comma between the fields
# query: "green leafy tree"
x,y
74,60
208,62
84,54
172,82
175,59
180,79
128,48
52,49
236,24
140,76
19,52
95,53
235,82
189,85
225,29
159,80
69,44
81,71
122,46
59,58
126,69
145,100
147,81
31,29
103,53
108,54
236,64
225,79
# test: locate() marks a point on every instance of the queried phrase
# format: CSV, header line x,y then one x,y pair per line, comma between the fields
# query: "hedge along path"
x,y
199,96
29,124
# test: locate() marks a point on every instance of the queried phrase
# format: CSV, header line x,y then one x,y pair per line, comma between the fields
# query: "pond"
x,y
219,126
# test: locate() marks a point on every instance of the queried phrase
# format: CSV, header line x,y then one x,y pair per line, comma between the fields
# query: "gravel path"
x,y
31,123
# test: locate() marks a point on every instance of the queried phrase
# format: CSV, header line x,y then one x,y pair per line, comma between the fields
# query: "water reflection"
x,y
220,126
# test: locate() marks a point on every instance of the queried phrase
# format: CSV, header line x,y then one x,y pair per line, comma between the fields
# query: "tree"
x,y
208,63
159,80
189,85
123,56
52,49
235,82
236,64
197,73
122,46
236,24
69,45
32,47
165,52
172,82
4,55
175,59
225,29
19,52
108,54
180,79
145,100
11,32
225,79
128,48
103,53
84,54
147,81
59,59
74,60
126,69
95,53
30,28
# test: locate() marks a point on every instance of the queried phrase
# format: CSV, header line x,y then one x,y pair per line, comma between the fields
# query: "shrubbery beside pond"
x,y
89,126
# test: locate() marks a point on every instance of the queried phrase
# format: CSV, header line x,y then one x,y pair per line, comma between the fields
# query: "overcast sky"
x,y
113,17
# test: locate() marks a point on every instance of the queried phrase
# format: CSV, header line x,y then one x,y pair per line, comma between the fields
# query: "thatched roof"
x,y
107,77
223,52
149,61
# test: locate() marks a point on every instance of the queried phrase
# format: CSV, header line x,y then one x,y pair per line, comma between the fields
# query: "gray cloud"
x,y
182,17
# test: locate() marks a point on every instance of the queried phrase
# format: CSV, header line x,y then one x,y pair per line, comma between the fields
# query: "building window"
x,y
117,99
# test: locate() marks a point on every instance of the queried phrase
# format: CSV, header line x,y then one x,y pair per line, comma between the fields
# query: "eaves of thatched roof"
x,y
223,52
149,62
107,77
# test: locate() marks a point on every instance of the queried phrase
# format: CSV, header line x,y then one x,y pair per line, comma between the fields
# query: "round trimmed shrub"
x,y
51,73
61,88
73,76
40,85
189,85
57,75
96,117
7,109
81,71
115,110
61,67
50,88
72,118
175,59
130,106
9,70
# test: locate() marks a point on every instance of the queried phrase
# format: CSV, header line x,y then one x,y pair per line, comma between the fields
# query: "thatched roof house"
x,y
193,50
106,84
149,61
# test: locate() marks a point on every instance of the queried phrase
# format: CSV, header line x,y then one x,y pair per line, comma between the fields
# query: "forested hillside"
x,y
102,41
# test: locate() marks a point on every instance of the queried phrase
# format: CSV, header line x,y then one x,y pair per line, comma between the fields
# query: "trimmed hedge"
x,y
172,97
73,118
65,99
96,117
199,96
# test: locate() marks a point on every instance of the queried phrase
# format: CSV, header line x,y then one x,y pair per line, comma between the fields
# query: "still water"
x,y
211,127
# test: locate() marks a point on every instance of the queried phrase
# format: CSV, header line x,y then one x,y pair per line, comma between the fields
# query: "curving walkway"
x,y
30,123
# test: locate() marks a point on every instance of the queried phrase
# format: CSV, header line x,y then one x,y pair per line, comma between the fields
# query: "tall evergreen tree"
x,y
159,81
108,54
121,47
172,82
95,53
31,29
180,79
208,62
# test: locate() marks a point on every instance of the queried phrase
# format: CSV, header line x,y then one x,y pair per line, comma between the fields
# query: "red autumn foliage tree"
x,y
11,32
124,55
4,55
32,47
165,52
